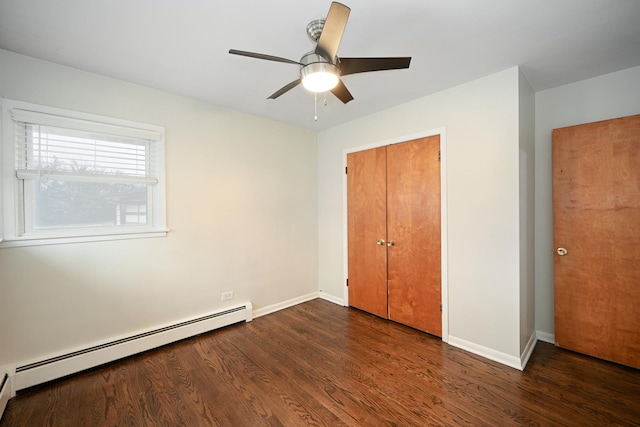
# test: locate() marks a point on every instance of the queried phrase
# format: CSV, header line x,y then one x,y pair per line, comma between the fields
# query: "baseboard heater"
x,y
57,366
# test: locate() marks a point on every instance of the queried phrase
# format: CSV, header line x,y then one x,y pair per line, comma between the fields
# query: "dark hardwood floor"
x,y
321,364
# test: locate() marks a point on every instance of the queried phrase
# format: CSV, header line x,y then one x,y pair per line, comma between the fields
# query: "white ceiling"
x,y
182,46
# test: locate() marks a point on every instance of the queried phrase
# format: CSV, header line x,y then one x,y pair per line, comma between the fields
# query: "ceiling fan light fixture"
x,y
321,69
319,76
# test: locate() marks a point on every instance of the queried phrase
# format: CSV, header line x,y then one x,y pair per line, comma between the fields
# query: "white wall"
x,y
254,230
241,206
526,113
481,120
600,98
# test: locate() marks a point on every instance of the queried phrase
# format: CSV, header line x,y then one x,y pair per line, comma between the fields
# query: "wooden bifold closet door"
x,y
393,203
596,214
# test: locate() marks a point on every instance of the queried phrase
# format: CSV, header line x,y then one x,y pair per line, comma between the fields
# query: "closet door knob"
x,y
391,243
380,242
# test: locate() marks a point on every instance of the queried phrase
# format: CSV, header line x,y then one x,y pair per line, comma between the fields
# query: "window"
x,y
70,176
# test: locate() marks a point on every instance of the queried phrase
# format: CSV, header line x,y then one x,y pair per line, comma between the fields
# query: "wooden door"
x,y
596,211
367,228
413,231
394,193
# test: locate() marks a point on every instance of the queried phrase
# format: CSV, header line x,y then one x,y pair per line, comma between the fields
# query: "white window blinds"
x,y
65,148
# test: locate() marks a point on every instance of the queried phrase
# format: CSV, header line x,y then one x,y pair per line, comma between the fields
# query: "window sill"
x,y
39,241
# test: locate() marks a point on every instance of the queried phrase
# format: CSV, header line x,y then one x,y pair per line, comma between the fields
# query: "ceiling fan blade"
x,y
331,35
364,65
342,93
285,89
262,56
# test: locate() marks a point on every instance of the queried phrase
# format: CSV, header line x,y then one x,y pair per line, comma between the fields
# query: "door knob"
x,y
561,251
391,243
380,242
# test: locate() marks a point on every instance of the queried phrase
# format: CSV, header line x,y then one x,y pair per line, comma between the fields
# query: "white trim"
x,y
546,337
6,392
442,132
54,175
331,298
486,352
43,369
25,241
444,235
284,304
345,230
528,350
58,117
8,217
13,233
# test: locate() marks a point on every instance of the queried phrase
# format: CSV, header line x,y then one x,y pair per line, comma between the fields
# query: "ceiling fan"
x,y
321,69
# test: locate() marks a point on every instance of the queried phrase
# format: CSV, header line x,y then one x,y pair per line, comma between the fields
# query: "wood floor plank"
x,y
319,364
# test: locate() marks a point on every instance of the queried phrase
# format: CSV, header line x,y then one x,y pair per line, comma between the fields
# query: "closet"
x,y
596,227
393,205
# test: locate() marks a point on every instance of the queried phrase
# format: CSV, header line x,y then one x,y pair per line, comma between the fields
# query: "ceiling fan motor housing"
x,y
314,29
313,62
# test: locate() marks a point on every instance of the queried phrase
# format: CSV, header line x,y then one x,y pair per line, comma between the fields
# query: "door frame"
x,y
442,132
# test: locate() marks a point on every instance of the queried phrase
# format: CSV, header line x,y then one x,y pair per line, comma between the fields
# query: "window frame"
x,y
14,226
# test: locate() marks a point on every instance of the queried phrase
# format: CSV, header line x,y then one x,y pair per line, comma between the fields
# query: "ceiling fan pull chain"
x,y
315,106
325,99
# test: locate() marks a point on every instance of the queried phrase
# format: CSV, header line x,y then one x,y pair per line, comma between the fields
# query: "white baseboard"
x,y
546,337
528,350
486,352
331,298
79,359
284,304
5,390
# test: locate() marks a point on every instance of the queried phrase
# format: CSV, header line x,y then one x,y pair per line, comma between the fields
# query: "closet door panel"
x,y
413,231
366,200
596,217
